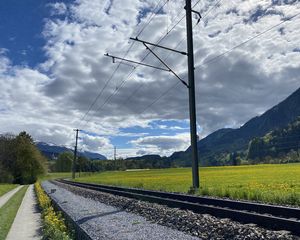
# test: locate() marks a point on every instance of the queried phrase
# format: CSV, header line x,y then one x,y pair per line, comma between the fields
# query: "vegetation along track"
x,y
268,216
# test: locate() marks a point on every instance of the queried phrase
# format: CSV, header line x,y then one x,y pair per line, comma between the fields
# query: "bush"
x,y
54,227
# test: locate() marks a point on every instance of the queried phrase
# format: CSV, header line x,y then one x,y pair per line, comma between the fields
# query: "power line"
x,y
118,66
134,68
150,18
248,40
208,12
140,86
223,54
173,86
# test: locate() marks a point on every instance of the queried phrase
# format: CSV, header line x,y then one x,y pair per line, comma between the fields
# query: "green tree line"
x,y
83,164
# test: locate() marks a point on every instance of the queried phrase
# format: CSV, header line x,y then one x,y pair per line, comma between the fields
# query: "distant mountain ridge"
x,y
51,151
224,141
149,157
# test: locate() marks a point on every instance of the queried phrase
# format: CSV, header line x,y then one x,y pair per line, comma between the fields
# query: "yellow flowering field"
x,y
272,183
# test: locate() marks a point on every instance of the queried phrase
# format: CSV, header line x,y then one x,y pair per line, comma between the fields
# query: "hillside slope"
x,y
224,141
277,144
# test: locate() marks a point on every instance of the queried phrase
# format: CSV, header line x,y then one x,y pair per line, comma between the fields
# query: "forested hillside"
x,y
283,144
216,148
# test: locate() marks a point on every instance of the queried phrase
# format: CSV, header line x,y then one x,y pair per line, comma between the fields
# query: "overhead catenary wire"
x,y
222,55
246,41
141,84
180,42
151,17
133,69
122,83
118,66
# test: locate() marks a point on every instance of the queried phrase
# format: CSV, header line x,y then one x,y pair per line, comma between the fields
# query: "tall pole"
x,y
115,153
75,155
192,105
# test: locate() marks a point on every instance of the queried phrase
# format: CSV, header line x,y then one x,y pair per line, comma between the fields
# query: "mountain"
x,y
149,157
52,151
224,141
277,144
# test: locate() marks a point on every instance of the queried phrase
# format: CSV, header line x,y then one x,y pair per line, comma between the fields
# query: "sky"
x,y
54,76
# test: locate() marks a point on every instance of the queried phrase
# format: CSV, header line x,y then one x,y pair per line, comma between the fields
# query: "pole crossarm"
x,y
159,46
135,62
170,70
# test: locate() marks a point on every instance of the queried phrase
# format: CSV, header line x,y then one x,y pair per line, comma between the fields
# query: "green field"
x,y
4,188
278,184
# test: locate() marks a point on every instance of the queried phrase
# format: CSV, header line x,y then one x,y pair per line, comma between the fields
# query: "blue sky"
x,y
21,25
49,84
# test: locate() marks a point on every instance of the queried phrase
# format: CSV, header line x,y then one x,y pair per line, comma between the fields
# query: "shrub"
x,y
54,225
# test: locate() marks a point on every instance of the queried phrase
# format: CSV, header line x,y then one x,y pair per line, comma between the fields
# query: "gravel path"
x,y
8,195
27,223
102,221
203,226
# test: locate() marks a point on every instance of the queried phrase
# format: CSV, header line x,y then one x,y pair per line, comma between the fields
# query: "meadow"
x,y
4,188
273,183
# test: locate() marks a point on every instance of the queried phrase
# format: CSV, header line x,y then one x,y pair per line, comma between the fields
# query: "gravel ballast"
x,y
203,226
102,221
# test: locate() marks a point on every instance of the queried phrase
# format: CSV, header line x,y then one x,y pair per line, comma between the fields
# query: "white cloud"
x,y
164,145
49,100
94,143
58,8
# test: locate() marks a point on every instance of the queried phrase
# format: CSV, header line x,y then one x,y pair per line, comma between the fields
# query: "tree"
x,y
20,160
29,162
82,164
64,162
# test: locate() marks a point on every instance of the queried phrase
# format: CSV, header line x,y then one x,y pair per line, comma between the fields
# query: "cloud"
x,y
51,99
94,143
164,145
58,8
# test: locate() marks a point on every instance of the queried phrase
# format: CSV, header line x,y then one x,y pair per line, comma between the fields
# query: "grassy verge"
x,y
54,226
4,188
9,211
271,183
55,175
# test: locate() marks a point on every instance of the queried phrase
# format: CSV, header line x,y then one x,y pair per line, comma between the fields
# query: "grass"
x,y
279,184
55,175
9,210
4,188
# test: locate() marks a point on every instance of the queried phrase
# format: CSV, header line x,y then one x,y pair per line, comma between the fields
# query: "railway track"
x,y
264,215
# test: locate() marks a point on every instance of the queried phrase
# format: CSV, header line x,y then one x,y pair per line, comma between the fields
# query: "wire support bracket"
x,y
169,69
114,58
159,46
197,13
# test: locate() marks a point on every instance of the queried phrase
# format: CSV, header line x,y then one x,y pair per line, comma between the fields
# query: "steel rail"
x,y
265,215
